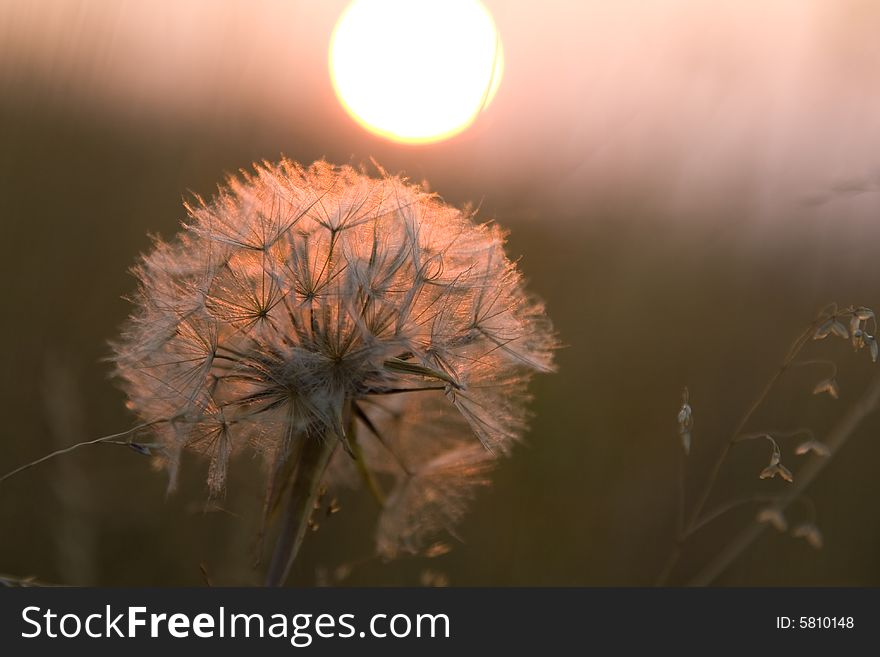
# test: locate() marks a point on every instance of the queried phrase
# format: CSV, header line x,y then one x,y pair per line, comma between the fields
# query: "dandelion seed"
x,y
774,517
306,308
828,386
810,533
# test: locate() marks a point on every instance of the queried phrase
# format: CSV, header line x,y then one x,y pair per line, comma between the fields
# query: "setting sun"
x,y
415,71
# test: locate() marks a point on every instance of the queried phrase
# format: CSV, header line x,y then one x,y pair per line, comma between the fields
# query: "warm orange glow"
x,y
415,71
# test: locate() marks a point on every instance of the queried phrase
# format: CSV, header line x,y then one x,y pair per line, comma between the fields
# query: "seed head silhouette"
x,y
343,327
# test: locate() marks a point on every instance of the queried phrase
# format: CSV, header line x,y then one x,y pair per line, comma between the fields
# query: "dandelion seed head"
x,y
317,300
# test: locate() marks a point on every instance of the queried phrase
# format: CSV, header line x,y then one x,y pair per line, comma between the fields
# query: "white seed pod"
x,y
307,302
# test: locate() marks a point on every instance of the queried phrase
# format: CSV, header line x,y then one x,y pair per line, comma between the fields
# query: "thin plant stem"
x,y
112,439
682,476
790,433
685,534
304,491
837,437
670,562
695,518
360,463
744,420
724,508
680,533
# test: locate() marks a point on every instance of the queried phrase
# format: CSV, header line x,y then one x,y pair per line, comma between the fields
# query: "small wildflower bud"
x,y
785,473
775,467
855,324
863,314
684,416
858,339
814,446
776,454
828,386
777,470
839,329
772,516
141,449
810,533
873,347
824,329
685,422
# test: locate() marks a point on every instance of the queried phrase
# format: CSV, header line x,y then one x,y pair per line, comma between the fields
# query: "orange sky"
x,y
779,98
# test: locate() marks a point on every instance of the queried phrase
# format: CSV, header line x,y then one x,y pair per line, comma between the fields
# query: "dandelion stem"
x,y
360,463
313,460
845,427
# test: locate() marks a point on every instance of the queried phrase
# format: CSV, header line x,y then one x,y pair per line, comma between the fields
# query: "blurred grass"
x,y
646,304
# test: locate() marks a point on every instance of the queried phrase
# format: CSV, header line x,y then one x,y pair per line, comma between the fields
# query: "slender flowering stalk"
x,y
855,324
343,327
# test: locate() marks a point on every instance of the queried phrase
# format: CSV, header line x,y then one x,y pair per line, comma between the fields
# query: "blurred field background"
x,y
688,183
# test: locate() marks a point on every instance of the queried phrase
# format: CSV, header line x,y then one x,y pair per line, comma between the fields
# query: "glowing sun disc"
x,y
415,71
